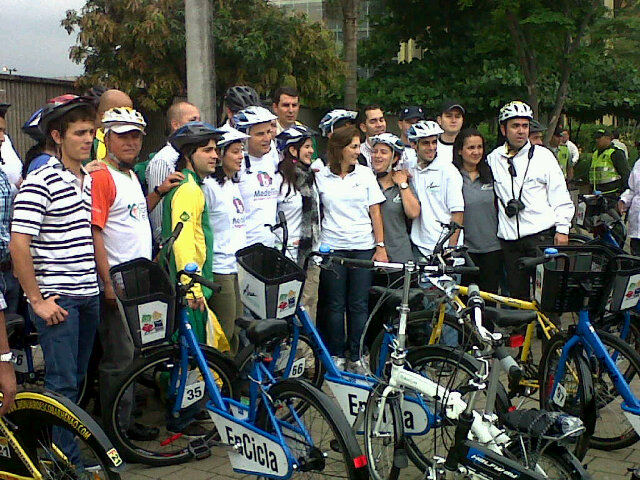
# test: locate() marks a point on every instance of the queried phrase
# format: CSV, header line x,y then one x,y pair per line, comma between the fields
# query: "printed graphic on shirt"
x,y
138,211
237,202
397,199
264,179
185,217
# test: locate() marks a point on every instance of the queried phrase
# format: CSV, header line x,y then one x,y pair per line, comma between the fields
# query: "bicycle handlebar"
x,y
452,228
213,286
530,262
282,223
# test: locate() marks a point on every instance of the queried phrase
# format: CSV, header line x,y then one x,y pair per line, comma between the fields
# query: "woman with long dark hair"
x,y
480,213
300,203
351,227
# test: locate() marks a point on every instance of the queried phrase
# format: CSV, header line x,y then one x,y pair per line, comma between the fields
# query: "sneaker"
x,y
142,433
339,362
359,367
194,429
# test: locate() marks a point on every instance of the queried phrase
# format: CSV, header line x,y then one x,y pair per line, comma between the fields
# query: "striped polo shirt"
x,y
55,209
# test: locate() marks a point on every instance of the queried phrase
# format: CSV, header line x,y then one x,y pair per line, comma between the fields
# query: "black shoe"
x,y
194,429
142,433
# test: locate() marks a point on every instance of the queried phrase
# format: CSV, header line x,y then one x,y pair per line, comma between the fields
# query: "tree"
x,y
350,45
138,46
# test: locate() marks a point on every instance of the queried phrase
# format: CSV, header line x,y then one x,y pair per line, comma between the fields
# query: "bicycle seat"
x,y
537,423
260,332
394,296
509,318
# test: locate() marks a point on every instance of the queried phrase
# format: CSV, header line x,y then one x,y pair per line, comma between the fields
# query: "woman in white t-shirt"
x,y
228,223
299,201
352,227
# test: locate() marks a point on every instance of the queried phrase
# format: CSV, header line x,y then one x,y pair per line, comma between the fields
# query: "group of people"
x,y
85,205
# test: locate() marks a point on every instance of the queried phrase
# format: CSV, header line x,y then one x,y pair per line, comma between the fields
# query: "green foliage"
x,y
139,47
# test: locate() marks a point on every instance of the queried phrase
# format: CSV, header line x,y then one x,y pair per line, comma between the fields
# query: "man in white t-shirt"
x,y
438,185
11,164
409,116
164,162
371,123
450,119
121,232
258,181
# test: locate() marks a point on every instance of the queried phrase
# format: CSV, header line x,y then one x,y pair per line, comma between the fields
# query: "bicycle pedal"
x,y
199,448
400,458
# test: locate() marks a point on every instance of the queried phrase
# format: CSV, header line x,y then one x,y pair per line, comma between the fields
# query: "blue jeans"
x,y
345,290
66,348
10,289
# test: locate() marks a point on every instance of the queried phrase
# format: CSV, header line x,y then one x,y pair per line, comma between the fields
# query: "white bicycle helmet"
x,y
389,139
123,119
230,135
293,135
424,129
250,116
515,109
329,121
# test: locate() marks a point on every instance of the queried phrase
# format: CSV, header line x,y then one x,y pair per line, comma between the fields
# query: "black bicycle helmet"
x,y
32,126
54,111
535,127
193,132
240,97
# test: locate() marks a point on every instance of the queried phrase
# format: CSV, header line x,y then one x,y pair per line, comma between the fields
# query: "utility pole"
x,y
201,74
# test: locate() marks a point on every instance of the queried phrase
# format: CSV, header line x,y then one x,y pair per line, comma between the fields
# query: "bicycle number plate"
x,y
580,213
21,361
297,369
560,395
194,389
251,451
634,420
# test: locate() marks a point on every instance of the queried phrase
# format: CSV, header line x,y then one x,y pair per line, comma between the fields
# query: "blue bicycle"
x,y
583,279
284,427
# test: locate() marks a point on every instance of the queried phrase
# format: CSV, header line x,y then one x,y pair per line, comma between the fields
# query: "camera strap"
x,y
513,193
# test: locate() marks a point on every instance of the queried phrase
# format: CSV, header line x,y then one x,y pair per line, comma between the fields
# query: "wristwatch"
x,y
403,186
157,191
7,357
380,244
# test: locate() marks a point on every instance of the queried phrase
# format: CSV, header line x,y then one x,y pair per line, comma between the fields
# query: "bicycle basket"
x,y
562,287
147,298
625,283
270,283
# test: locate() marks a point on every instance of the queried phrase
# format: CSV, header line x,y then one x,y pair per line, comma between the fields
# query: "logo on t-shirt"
x,y
137,211
185,217
264,179
237,202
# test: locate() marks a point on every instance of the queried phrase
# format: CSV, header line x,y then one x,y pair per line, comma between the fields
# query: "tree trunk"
x,y
350,45
527,58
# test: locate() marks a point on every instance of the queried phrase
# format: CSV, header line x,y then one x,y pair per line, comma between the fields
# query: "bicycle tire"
x,y
342,448
378,471
148,374
419,332
314,368
579,239
550,459
613,325
580,398
607,402
32,420
440,356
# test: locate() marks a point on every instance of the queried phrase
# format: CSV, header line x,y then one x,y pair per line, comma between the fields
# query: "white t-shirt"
x,y
228,223
159,167
439,190
259,186
366,150
445,150
346,224
11,164
290,203
119,208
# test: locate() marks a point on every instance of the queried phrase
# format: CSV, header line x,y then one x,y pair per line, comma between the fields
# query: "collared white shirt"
x,y
159,167
366,150
445,150
574,153
545,195
439,190
346,224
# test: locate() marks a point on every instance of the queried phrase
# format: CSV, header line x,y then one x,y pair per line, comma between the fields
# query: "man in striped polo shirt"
x,y
52,251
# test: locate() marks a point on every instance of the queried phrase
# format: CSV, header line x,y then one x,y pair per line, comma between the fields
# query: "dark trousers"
x,y
345,290
491,265
634,243
520,281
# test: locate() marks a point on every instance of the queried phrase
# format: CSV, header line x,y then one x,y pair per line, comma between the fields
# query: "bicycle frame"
x,y
587,338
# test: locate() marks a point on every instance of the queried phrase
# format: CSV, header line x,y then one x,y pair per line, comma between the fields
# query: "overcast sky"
x,y
32,40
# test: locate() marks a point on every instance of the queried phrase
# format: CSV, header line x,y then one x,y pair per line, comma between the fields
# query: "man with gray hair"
x,y
163,163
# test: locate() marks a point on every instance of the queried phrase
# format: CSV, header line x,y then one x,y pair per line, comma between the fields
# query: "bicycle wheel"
x,y
553,462
419,328
613,430
333,450
576,395
380,443
453,369
614,325
148,379
59,438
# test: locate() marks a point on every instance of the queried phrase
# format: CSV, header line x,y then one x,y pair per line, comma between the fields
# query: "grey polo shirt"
x,y
394,221
480,215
